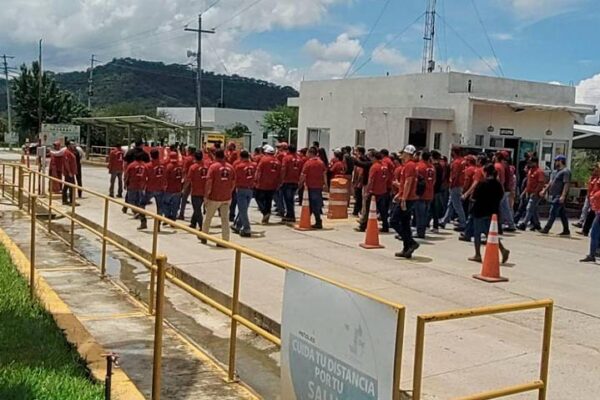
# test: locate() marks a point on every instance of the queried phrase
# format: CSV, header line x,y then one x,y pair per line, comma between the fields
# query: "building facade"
x,y
217,120
439,110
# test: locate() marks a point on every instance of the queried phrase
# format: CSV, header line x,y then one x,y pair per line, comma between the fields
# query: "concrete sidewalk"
x,y
118,322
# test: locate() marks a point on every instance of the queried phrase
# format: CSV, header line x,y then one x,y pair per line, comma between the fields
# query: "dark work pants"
x,y
589,221
67,192
358,201
264,199
288,190
400,222
232,206
196,221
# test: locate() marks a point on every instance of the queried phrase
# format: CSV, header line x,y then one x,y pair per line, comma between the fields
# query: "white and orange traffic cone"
x,y
490,268
372,231
304,224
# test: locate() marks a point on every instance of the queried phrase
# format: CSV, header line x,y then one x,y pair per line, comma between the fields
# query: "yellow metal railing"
x,y
541,385
157,265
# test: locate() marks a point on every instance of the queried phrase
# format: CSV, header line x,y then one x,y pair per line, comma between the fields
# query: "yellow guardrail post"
x,y
104,234
234,311
155,229
49,205
20,191
398,353
3,177
72,216
161,262
33,200
546,342
13,181
418,366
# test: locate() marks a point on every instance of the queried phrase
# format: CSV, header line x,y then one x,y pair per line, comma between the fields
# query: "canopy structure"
x,y
586,137
128,122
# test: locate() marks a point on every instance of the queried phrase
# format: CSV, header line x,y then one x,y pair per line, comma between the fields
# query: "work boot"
x,y
318,225
120,196
565,234
577,224
124,210
544,231
476,258
265,219
409,252
234,229
245,234
588,259
505,253
143,225
521,227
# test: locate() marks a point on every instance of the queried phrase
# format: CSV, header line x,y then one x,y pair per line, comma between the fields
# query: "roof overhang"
x,y
586,137
136,121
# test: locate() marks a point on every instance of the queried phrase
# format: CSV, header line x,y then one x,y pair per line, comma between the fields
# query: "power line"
x,y
487,37
237,14
218,57
211,6
468,45
386,4
8,106
390,41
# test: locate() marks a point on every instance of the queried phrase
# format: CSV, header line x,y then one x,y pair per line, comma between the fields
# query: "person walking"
x,y
268,178
220,183
196,179
70,171
585,210
535,185
594,196
359,160
404,203
455,206
115,170
558,189
157,182
365,162
425,192
290,177
377,188
245,177
314,177
174,178
136,178
232,155
187,160
486,202
505,178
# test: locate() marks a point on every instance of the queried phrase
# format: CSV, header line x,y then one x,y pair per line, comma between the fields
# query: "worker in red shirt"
x,y
470,169
337,167
281,152
245,177
506,219
257,155
232,155
136,178
174,178
314,177
157,180
56,167
195,183
536,180
268,179
391,165
69,171
291,169
115,169
457,177
187,160
220,183
425,191
404,203
377,190
594,202
478,177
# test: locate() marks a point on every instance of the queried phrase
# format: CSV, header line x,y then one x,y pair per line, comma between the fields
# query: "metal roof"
x,y
138,121
581,109
586,137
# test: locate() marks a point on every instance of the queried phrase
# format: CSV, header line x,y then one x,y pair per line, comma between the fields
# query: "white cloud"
x,y
394,59
588,92
502,36
343,48
485,66
323,69
540,9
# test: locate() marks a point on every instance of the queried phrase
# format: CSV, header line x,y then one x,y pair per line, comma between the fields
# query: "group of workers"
x,y
65,164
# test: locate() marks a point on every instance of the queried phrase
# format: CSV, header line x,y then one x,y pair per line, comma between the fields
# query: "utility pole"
x,y
40,90
428,61
91,83
198,54
8,107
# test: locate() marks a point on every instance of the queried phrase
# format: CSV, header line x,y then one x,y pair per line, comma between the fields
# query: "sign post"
x,y
336,344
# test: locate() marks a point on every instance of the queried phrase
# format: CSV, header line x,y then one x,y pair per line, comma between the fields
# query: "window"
x,y
479,140
437,141
359,138
497,142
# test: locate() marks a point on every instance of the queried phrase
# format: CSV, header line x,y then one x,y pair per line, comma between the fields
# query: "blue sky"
x,y
285,41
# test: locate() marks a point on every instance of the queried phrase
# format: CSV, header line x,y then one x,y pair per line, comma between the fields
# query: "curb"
x,y
76,333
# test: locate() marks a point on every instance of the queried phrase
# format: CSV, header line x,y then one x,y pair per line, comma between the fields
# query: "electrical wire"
x,y
211,6
468,45
237,14
385,5
390,41
487,37
218,57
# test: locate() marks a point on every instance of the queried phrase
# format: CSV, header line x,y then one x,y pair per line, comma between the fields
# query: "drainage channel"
x,y
206,328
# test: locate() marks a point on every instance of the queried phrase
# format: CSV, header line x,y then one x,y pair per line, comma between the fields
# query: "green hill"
x,y
128,86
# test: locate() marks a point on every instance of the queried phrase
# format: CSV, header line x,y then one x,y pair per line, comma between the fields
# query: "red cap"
x,y
173,155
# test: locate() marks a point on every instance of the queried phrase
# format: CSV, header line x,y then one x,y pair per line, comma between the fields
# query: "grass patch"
x,y
36,361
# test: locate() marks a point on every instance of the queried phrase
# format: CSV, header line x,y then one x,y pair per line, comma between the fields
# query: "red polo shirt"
x,y
70,165
197,176
500,170
409,171
337,167
397,176
379,176
157,179
457,176
221,178
115,161
292,168
313,171
535,180
268,173
245,174
232,156
136,176
427,172
174,176
469,175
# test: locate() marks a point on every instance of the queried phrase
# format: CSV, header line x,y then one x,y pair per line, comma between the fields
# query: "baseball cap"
x,y
410,149
560,157
268,149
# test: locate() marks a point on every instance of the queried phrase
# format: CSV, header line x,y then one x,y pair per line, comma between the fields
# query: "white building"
x,y
439,110
218,119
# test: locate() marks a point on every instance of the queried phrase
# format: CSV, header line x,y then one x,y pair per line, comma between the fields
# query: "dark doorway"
x,y
512,143
417,132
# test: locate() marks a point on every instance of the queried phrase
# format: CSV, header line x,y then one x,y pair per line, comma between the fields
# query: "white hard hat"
x,y
410,149
268,149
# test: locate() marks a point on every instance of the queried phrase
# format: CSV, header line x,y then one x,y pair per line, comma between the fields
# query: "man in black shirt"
x,y
437,205
487,197
365,162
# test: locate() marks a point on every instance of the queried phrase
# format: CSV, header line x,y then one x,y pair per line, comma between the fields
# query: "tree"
x,y
58,106
238,130
279,121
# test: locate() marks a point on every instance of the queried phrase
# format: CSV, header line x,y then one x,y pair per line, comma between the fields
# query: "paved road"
x,y
462,357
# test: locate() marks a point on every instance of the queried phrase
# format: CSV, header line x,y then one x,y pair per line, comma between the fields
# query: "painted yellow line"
x,y
63,269
102,317
89,349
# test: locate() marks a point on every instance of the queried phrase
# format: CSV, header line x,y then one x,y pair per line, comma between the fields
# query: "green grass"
x,y
36,361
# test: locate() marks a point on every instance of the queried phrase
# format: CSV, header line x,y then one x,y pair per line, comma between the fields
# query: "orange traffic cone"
x,y
304,224
490,269
372,232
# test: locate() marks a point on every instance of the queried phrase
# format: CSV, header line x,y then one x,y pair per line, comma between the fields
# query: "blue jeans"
x,y
585,210
171,203
279,203
136,198
455,206
196,221
595,235
400,222
421,214
158,199
506,215
531,214
288,190
242,221
480,226
315,202
183,198
557,210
